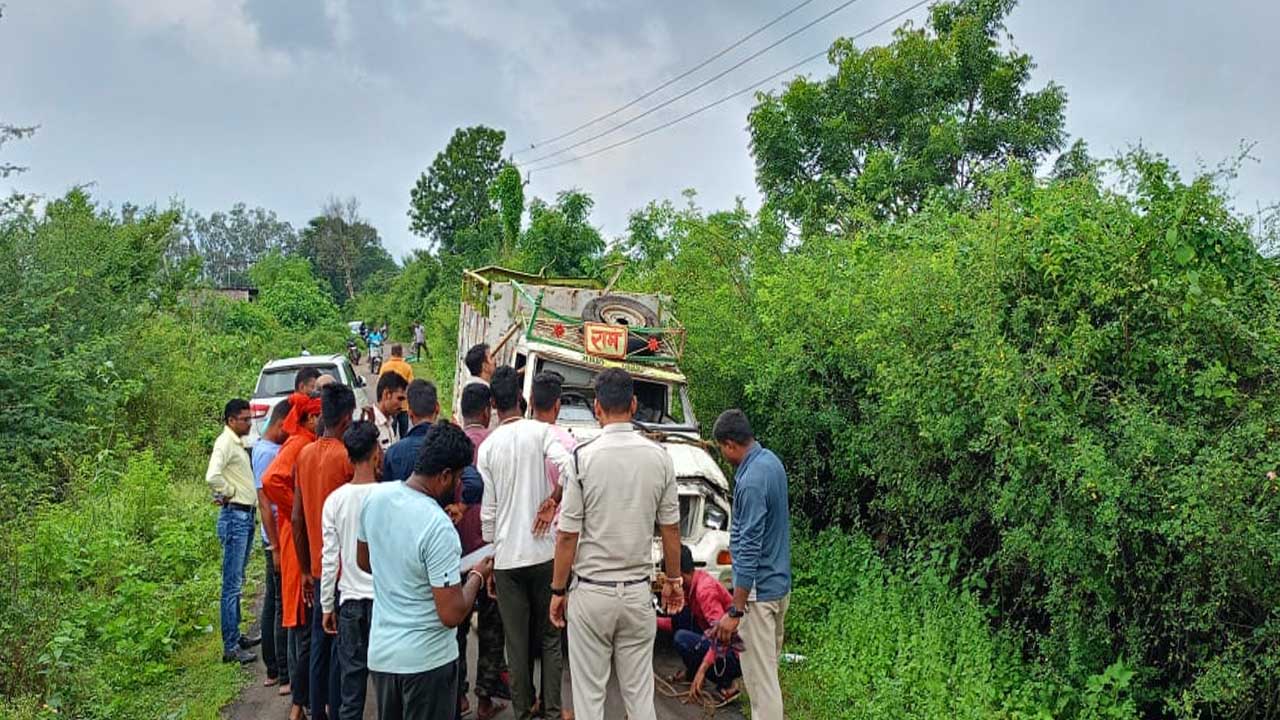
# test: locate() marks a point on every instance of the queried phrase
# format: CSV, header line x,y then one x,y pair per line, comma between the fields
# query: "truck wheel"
x,y
619,310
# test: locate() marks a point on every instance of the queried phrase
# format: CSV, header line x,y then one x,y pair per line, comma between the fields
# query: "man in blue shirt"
x,y
424,408
410,546
275,646
760,543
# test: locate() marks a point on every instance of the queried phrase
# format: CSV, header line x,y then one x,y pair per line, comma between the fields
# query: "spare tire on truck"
x,y
619,310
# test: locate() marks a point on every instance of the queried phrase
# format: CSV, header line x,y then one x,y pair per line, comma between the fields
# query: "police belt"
x,y
612,583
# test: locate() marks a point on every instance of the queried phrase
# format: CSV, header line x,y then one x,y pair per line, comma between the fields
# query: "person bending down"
x,y
706,601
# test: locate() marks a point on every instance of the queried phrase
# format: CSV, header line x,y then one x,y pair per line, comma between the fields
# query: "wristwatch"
x,y
735,613
558,592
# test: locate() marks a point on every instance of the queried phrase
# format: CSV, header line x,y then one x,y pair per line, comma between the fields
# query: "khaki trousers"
x,y
761,632
611,626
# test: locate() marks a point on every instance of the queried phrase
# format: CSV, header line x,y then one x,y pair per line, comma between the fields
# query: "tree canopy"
x,y
928,112
453,194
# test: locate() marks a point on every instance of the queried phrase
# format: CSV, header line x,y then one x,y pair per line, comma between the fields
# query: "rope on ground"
x,y
705,699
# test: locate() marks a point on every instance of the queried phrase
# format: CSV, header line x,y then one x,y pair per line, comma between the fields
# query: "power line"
x,y
727,98
697,87
666,84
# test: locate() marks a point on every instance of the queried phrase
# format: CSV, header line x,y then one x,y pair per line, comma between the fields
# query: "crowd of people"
x,y
389,537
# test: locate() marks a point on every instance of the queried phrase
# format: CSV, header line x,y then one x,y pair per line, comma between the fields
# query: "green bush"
x,y
879,643
1070,388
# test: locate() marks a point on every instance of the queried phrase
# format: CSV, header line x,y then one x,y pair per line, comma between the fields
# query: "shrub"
x,y
1068,387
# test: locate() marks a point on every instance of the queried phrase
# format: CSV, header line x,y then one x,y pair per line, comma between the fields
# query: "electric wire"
x,y
726,98
697,87
737,43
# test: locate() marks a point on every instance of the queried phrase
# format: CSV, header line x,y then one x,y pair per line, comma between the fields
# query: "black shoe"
x,y
242,656
247,642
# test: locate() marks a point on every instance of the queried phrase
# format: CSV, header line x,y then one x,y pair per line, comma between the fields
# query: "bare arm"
x,y
269,522
300,543
566,550
362,556
671,548
454,603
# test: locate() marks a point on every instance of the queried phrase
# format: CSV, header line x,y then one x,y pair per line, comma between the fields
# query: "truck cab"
x,y
577,328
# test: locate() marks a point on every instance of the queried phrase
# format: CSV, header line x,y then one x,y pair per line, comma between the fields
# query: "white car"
x,y
275,383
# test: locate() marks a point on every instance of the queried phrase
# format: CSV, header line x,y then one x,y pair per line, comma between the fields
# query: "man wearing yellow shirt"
x,y
230,476
396,364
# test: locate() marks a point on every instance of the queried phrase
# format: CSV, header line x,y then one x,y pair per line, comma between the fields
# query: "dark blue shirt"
x,y
398,462
760,538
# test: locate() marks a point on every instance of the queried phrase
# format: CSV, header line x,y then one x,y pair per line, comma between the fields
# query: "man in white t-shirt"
x,y
511,463
340,525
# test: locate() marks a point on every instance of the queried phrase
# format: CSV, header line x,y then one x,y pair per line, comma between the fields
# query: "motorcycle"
x,y
375,358
353,352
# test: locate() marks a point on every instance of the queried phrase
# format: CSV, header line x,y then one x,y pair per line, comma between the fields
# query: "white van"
x,y
275,383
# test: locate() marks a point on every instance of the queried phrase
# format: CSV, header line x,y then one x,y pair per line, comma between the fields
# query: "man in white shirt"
x,y
340,526
391,397
511,462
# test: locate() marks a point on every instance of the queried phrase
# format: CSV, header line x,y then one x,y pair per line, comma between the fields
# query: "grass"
x,y
116,599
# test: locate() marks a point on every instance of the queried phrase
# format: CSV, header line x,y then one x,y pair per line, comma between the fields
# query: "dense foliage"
x,y
930,111
1067,388
116,368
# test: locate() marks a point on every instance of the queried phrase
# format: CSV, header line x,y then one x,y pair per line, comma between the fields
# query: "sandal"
x,y
270,682
284,690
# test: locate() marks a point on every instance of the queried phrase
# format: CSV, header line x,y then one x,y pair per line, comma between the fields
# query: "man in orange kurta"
x,y
278,484
322,467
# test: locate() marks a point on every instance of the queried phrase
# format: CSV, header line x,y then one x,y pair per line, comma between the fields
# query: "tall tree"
x,y
231,242
453,194
344,248
933,109
560,238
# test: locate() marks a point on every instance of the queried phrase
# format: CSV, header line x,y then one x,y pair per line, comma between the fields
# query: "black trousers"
x,y
430,695
300,664
354,619
275,641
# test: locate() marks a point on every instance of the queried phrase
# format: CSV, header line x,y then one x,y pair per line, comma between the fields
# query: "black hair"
x,y
305,375
423,398
446,447
614,390
475,358
475,398
337,403
361,439
391,381
546,390
686,559
397,350
733,425
279,412
233,408
505,386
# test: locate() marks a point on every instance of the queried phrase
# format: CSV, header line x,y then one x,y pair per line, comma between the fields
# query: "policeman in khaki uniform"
x,y
625,485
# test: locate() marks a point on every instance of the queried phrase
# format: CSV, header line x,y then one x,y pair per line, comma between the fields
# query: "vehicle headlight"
x,y
714,518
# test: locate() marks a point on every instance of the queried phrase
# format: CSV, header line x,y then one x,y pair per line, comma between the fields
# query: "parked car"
x,y
275,383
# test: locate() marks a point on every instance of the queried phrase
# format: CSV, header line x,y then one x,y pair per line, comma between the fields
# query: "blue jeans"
x,y
325,680
693,646
235,532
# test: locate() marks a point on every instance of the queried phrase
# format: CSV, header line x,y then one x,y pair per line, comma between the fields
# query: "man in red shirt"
x,y
490,664
706,601
323,466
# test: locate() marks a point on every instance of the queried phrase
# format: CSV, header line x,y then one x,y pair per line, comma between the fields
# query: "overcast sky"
x,y
282,103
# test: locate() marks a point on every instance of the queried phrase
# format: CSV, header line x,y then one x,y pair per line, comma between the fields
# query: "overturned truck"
x,y
578,327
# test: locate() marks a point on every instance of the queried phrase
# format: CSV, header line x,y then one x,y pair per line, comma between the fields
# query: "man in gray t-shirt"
x,y
625,485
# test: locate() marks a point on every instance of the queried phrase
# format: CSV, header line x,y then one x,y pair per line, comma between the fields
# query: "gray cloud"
x,y
282,104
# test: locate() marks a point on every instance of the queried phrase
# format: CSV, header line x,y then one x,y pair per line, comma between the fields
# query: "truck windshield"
x,y
653,399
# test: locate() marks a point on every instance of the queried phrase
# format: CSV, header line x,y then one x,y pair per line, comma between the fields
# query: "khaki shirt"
x,y
626,485
230,472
